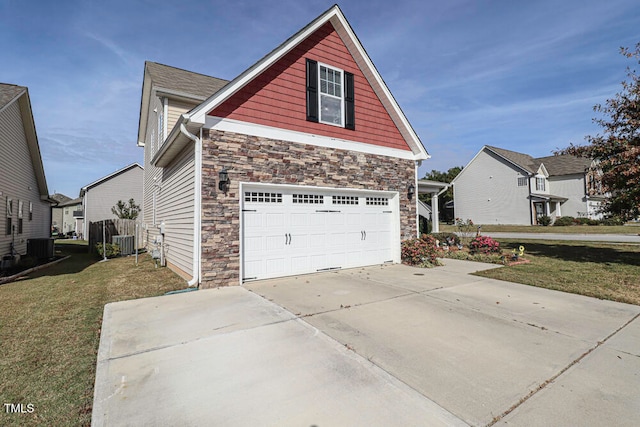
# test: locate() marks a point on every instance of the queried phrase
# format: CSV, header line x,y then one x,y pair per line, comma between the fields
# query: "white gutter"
x,y
197,197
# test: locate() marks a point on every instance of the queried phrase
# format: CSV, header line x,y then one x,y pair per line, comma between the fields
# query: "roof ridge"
x,y
184,70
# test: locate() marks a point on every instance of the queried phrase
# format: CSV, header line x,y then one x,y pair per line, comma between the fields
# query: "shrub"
x,y
112,250
544,220
564,221
420,252
466,230
485,245
446,238
612,220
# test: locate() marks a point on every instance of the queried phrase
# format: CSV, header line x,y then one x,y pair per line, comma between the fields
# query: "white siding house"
x,y
100,196
506,187
169,193
25,207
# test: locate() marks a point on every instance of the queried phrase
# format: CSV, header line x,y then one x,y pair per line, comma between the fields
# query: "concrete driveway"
x,y
384,345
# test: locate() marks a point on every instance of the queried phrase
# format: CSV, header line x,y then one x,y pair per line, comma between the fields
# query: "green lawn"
x,y
50,330
600,270
572,229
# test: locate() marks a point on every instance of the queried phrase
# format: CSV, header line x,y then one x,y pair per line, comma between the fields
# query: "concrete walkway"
x,y
615,238
383,345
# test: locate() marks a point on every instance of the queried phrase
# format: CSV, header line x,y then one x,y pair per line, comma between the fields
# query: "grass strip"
x,y
50,330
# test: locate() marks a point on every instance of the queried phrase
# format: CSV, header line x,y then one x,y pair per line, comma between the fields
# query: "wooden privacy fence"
x,y
113,227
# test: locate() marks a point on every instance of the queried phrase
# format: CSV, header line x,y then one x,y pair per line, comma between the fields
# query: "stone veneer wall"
x,y
255,159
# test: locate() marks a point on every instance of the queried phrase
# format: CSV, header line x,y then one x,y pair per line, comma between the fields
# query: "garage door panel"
x,y
275,266
274,220
306,230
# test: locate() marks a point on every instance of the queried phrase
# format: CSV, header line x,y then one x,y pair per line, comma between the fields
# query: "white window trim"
x,y
320,94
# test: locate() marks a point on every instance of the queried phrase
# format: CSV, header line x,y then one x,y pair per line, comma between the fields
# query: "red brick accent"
x,y
277,97
256,159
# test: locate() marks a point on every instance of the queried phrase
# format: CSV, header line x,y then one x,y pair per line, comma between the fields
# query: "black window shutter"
x,y
349,105
312,90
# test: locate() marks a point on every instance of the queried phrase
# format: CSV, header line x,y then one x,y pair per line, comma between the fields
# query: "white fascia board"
x,y
236,126
377,83
198,115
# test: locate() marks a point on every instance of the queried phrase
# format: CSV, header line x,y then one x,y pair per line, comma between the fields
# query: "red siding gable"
x,y
277,97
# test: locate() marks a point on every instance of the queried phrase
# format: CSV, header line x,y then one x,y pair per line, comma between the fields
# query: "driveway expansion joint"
x,y
562,371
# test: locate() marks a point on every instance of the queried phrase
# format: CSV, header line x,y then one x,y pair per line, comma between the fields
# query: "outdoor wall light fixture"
x,y
411,191
223,181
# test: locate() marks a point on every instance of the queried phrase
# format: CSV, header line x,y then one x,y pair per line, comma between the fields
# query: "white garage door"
x,y
306,229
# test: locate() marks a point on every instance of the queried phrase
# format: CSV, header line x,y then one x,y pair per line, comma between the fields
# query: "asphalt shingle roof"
x,y
556,165
184,81
565,165
8,92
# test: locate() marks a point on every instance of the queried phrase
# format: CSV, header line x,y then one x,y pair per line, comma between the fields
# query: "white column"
x,y
435,223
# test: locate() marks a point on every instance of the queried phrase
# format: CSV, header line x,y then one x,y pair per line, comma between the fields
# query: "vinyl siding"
x,y
174,109
99,200
173,187
175,204
277,97
487,192
18,182
573,188
150,172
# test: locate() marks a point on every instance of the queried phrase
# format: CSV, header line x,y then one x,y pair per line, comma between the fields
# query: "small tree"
x,y
617,151
126,210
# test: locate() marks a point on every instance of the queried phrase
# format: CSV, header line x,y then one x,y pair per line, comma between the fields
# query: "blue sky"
x,y
521,75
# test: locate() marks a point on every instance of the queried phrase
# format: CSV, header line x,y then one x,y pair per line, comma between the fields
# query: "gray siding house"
x,y
500,186
100,196
24,198
57,211
72,216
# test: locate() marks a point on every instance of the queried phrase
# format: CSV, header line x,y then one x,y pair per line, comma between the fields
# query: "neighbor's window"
x,y
331,95
30,211
9,216
522,181
540,184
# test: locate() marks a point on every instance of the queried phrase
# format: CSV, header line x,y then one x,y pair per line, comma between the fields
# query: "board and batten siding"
x,y
487,192
18,182
175,207
99,200
573,188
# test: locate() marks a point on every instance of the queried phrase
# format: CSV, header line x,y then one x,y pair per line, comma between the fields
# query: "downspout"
x,y
417,165
197,197
530,200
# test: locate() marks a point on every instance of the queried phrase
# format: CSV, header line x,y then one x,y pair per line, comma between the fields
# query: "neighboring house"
x,y
24,198
57,211
100,196
302,163
72,217
505,187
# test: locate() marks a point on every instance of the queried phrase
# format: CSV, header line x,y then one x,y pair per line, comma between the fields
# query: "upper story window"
x,y
330,95
540,184
160,128
522,181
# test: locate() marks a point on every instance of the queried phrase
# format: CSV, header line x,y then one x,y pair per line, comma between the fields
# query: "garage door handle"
x,y
287,239
362,235
365,235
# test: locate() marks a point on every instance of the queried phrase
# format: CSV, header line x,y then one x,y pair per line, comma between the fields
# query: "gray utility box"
x,y
40,248
126,244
